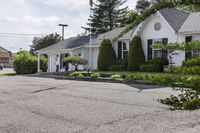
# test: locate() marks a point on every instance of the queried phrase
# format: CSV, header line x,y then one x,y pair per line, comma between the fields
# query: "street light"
x,y
63,30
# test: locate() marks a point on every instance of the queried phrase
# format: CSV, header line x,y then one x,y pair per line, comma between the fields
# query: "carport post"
x,y
38,62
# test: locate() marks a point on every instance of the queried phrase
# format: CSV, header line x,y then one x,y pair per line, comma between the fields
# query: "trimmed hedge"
x,y
26,63
154,65
120,65
150,68
107,55
136,55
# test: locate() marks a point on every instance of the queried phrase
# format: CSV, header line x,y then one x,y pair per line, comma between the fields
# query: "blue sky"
x,y
41,17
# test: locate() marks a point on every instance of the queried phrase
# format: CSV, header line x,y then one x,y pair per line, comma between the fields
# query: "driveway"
x,y
41,105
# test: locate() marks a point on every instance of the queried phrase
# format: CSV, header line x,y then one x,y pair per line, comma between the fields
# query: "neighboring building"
x,y
5,57
68,47
165,26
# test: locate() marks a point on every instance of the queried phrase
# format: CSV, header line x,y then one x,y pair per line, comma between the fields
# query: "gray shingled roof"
x,y
128,35
175,17
3,49
192,24
71,43
108,35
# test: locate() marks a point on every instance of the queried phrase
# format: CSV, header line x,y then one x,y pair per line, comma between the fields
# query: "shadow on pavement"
x,y
144,86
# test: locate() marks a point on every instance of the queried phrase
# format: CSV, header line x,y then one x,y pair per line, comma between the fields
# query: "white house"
x,y
165,26
57,52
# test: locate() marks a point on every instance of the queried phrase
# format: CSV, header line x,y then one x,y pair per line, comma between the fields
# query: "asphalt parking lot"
x,y
42,105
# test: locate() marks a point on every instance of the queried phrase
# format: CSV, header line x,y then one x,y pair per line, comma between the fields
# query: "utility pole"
x,y
63,30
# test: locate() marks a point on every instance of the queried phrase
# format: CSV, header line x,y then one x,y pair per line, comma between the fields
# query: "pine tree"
x,y
107,15
142,5
130,17
42,42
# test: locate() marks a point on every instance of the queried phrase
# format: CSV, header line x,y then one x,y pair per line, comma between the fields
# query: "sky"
x,y
41,17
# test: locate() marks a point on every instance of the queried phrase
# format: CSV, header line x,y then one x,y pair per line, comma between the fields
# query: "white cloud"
x,y
68,3
40,20
43,17
12,19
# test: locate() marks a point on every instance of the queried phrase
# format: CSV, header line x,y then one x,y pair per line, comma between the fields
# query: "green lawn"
x,y
126,72
7,74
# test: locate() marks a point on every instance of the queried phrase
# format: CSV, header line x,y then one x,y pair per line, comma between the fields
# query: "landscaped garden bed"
x,y
188,85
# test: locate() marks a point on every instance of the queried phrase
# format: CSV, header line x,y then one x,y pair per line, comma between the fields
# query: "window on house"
x,y
149,50
122,50
195,53
160,53
187,40
191,53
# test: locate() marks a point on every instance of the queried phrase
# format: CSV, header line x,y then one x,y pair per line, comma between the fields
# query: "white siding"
x,y
94,57
166,31
196,37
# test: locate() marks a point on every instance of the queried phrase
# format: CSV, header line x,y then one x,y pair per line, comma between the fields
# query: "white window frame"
x,y
156,49
122,50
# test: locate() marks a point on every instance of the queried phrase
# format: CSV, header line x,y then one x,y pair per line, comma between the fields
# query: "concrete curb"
x,y
89,79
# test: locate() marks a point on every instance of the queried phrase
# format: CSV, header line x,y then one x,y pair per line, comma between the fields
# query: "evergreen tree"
x,y
142,5
42,42
107,15
136,55
130,17
107,56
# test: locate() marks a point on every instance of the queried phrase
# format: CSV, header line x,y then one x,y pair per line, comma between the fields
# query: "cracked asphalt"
x,y
43,105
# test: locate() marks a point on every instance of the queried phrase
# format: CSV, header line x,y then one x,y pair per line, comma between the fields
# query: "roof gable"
x,y
174,17
192,24
4,50
108,35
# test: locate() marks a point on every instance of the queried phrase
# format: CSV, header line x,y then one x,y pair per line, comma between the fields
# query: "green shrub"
x,y
123,63
194,70
188,100
174,69
96,75
120,65
192,105
26,63
75,61
106,56
116,68
150,68
190,67
192,62
165,79
192,82
154,65
77,74
189,86
116,76
132,77
136,55
43,63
